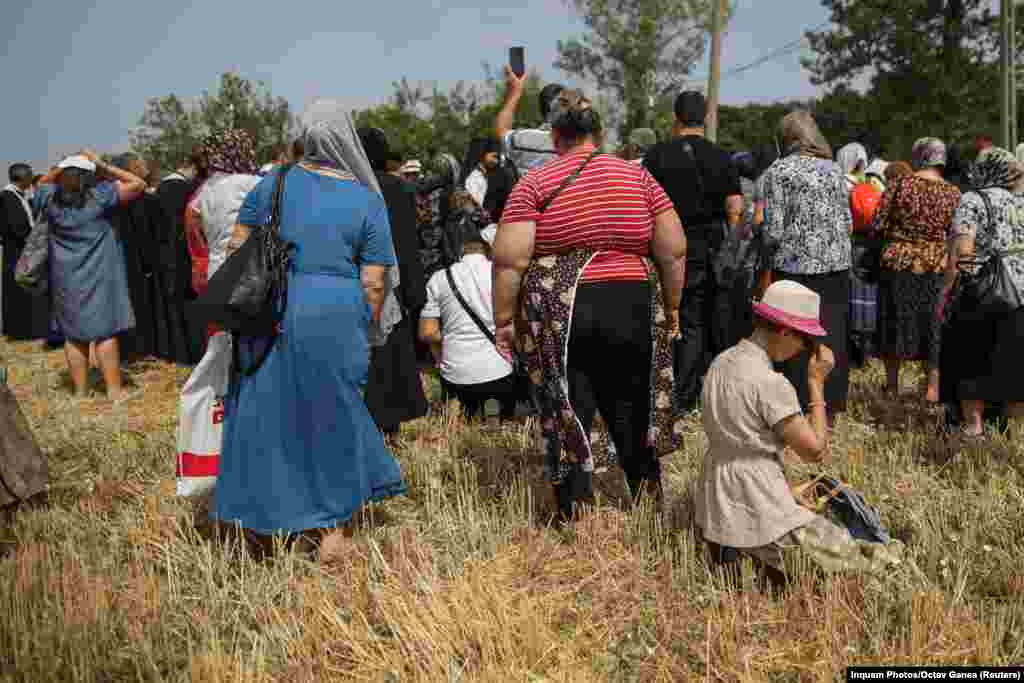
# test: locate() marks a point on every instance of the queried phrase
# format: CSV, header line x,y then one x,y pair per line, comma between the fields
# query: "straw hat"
x,y
792,305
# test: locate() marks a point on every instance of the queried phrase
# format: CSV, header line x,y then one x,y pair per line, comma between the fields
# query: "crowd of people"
x,y
545,276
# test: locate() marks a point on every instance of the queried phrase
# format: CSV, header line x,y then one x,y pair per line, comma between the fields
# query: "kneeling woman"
x,y
751,414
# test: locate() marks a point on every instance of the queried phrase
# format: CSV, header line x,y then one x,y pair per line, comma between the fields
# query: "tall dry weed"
x,y
465,579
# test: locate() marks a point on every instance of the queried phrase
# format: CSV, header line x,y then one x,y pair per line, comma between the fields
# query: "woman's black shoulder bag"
x,y
985,288
249,293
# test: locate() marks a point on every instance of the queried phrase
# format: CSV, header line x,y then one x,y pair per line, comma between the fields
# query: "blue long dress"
x,y
300,448
88,280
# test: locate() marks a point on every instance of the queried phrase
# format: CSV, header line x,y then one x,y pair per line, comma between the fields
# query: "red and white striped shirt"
x,y
610,208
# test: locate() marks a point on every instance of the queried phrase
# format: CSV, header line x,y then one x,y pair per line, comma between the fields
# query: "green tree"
x,y
932,64
167,131
170,127
636,49
421,123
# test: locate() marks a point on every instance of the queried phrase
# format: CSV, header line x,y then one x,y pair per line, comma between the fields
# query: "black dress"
x,y
132,223
394,392
183,335
25,316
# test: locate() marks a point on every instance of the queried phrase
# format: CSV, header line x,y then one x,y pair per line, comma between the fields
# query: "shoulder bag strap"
x,y
466,307
275,206
566,183
688,151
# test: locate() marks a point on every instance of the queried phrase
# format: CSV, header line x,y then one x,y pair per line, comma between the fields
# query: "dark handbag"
x,y
249,293
32,270
985,288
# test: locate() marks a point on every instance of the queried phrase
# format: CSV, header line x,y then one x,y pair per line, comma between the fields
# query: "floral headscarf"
x,y
800,134
230,151
996,167
927,153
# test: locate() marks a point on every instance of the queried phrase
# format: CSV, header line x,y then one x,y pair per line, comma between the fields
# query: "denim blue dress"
x,y
300,448
88,280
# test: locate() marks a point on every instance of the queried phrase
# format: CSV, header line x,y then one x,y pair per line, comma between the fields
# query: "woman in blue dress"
x,y
301,451
88,280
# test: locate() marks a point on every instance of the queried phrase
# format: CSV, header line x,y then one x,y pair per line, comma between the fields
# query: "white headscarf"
x,y
850,156
331,140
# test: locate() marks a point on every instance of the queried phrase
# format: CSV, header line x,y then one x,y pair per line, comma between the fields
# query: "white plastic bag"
x,y
201,419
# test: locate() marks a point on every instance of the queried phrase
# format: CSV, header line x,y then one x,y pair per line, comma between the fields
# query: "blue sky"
x,y
78,73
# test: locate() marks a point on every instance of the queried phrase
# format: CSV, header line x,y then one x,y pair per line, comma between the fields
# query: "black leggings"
x,y
473,396
610,370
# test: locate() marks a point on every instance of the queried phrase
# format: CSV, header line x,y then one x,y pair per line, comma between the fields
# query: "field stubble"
x,y
112,578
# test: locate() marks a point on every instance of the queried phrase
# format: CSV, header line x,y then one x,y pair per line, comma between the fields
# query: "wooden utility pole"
x,y
1008,69
714,77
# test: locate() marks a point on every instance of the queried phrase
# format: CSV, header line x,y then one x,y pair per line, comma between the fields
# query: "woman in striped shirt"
x,y
590,260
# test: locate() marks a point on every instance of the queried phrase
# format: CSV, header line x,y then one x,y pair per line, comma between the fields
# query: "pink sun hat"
x,y
792,305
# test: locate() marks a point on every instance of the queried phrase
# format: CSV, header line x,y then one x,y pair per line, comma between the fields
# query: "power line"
x,y
780,51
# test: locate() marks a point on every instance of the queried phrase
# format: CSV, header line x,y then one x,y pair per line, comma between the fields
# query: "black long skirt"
x,y
834,290
394,391
907,326
981,360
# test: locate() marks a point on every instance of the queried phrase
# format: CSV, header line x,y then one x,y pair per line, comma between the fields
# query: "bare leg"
x,y
77,355
892,375
108,353
1015,410
932,394
972,414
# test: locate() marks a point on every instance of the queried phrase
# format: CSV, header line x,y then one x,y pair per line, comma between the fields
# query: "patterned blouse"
x,y
807,214
1006,231
913,218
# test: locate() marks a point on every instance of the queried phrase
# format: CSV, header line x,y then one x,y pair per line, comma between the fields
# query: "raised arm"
x,y
809,437
129,185
513,93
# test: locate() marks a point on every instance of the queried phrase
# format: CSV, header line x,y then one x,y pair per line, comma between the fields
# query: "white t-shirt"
x,y
476,186
218,204
468,357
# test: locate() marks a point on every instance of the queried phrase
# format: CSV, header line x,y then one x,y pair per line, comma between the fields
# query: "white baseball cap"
x,y
79,162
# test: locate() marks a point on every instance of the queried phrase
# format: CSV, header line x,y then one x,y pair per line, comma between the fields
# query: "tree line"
x,y
932,68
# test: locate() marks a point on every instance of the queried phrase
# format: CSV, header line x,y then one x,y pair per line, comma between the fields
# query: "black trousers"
x,y
473,396
609,370
727,559
696,347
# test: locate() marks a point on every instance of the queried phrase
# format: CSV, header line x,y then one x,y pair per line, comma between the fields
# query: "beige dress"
x,y
742,498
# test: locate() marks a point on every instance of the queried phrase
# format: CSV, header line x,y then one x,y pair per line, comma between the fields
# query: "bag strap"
x,y
466,307
566,183
275,206
688,151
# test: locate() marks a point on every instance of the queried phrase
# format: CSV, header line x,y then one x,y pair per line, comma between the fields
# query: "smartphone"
x,y
517,60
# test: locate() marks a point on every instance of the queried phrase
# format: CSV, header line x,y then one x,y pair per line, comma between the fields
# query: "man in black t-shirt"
x,y
703,184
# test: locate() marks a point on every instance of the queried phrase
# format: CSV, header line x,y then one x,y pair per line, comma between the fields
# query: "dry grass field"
x,y
112,578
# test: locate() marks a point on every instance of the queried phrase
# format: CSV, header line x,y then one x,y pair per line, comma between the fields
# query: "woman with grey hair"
x,y
807,215
301,451
981,353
